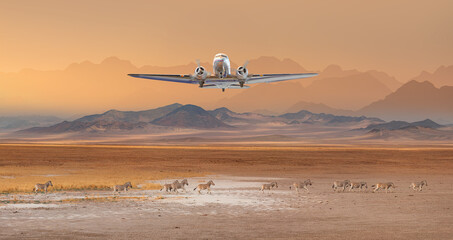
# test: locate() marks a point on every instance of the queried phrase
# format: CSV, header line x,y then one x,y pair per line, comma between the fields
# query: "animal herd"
x,y
336,186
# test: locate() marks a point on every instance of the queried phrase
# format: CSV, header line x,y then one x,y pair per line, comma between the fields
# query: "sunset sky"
x,y
401,38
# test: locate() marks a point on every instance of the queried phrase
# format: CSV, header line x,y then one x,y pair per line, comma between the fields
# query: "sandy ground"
x,y
236,209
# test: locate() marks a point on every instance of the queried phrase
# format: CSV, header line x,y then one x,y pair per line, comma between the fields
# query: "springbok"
x,y
385,186
268,186
168,187
205,186
358,185
124,187
304,184
40,186
179,185
340,184
418,185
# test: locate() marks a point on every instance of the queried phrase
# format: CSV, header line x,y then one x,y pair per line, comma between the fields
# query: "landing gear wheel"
x,y
223,89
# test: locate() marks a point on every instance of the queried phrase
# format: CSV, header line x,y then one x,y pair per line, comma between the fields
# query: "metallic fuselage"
x,y
221,65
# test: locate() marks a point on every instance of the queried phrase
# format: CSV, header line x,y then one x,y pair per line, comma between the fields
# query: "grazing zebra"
x,y
418,185
205,186
124,187
340,185
40,186
168,187
303,184
358,185
268,186
385,186
179,185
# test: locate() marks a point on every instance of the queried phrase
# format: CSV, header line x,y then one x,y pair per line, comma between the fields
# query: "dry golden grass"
x,y
101,167
72,170
23,179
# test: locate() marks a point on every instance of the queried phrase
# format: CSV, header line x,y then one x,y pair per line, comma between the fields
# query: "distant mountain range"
x,y
329,119
426,130
21,122
414,101
131,116
191,123
188,116
394,125
443,76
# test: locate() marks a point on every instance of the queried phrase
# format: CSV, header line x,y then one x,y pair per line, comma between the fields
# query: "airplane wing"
x,y
267,78
255,78
165,77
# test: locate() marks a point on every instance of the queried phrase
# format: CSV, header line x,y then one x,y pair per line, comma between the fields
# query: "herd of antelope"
x,y
336,186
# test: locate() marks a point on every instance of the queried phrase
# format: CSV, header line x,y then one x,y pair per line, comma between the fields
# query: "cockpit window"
x,y
221,55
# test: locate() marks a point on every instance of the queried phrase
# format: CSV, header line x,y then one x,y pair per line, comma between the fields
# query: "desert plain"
x,y
81,204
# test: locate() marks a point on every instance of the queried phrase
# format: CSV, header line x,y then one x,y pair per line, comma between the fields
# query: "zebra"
x,y
385,186
179,185
418,185
340,184
303,184
124,187
205,186
268,186
40,186
361,185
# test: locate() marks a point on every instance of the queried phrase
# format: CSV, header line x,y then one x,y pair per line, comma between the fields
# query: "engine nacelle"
x,y
242,73
200,73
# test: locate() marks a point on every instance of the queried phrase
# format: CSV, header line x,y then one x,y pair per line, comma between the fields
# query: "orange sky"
x,y
398,37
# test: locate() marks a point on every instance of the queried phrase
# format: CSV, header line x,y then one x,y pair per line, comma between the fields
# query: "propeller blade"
x,y
245,64
198,62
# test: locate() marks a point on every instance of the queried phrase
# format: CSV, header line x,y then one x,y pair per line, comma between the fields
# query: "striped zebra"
x,y
418,185
385,186
179,185
357,185
205,186
304,185
40,186
124,187
268,186
340,185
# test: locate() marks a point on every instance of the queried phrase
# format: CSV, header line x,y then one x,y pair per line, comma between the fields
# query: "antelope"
x,y
268,186
124,187
418,185
179,185
40,186
168,187
340,184
385,186
205,186
361,185
303,184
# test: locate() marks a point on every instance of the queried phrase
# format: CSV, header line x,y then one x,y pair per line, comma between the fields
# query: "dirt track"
x,y
237,210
